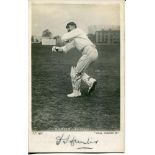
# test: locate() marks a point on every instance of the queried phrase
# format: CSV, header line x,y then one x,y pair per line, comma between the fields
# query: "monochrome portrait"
x,y
76,84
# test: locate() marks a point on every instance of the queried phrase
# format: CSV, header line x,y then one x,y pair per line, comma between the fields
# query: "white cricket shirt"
x,y
77,38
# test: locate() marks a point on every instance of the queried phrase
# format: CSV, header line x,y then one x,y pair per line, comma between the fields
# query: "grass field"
x,y
51,109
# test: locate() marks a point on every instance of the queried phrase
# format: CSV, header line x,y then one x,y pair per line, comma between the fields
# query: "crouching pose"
x,y
76,38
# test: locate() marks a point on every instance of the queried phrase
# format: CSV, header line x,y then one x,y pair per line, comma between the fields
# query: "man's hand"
x,y
56,49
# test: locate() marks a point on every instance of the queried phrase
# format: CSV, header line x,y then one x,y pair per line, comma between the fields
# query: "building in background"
x,y
107,37
104,34
93,28
48,41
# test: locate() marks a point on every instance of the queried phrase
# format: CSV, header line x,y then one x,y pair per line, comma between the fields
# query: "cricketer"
x,y
76,38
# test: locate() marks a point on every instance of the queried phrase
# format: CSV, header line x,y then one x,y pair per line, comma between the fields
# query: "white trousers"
x,y
89,55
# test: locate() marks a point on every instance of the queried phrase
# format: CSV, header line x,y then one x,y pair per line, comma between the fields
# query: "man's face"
x,y
70,28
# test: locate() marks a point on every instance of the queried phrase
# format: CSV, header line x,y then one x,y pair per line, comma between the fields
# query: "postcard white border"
x,y
109,141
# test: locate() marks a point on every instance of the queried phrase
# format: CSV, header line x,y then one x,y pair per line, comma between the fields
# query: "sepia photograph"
x,y
75,70
77,77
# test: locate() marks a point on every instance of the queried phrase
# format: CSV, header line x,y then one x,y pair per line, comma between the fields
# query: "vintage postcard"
x,y
76,76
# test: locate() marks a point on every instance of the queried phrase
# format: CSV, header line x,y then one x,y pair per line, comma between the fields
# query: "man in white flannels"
x,y
76,38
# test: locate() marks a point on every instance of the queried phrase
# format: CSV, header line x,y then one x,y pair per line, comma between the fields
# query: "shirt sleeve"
x,y
67,47
70,35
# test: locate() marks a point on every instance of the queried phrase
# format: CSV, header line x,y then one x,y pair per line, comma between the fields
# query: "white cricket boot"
x,y
75,93
92,86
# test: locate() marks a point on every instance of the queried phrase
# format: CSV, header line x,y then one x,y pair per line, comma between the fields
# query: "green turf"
x,y
52,110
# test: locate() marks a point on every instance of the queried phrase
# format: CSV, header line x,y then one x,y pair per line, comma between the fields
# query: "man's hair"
x,y
71,23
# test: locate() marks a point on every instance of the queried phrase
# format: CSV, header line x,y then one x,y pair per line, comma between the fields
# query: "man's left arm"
x,y
70,35
64,48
